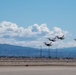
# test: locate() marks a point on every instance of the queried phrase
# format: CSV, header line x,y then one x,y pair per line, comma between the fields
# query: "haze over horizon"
x,y
31,22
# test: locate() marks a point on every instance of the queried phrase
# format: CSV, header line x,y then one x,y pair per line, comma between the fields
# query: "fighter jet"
x,y
53,39
75,39
48,44
61,38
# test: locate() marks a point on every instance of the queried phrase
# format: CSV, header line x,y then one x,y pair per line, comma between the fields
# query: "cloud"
x,y
10,30
32,36
59,31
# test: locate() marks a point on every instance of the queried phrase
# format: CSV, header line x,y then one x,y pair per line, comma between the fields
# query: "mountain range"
x,y
12,50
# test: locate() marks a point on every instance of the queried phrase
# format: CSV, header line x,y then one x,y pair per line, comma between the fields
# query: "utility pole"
x,y
41,51
49,52
56,53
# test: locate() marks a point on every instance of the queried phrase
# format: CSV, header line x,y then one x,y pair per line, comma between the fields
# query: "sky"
x,y
31,22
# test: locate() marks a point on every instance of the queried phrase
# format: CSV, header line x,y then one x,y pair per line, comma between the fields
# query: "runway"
x,y
38,70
